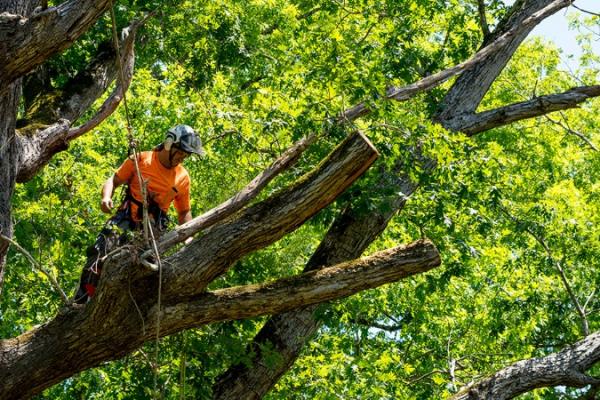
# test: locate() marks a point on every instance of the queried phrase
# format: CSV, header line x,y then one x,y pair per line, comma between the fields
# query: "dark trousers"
x,y
116,232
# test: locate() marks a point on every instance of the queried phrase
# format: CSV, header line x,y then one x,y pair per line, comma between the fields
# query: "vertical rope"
x,y
148,232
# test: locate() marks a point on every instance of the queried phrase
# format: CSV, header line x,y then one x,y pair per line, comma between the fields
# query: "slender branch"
x,y
580,310
40,268
377,325
567,128
586,11
472,124
485,29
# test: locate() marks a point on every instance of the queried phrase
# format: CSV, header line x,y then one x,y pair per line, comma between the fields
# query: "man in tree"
x,y
166,180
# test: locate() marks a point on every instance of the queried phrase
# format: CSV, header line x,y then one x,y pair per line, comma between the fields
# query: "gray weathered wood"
x,y
567,367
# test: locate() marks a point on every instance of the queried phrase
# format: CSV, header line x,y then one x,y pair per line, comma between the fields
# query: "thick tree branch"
x,y
28,41
564,368
468,90
300,291
237,202
472,124
351,233
39,146
265,222
79,341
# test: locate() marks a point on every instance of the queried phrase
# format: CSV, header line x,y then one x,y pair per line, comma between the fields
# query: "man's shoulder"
x,y
182,174
181,171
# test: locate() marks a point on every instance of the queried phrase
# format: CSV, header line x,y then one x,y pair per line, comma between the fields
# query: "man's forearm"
x,y
108,189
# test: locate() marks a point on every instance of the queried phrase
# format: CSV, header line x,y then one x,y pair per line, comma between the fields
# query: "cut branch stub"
x,y
306,289
269,220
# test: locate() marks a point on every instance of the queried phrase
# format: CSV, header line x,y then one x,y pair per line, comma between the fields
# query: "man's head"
x,y
180,142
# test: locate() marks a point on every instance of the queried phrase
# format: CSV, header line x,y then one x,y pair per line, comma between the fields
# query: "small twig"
x,y
40,268
590,297
584,322
483,20
585,11
566,127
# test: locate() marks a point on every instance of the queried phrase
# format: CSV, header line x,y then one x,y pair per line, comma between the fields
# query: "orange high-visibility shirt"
x,y
165,185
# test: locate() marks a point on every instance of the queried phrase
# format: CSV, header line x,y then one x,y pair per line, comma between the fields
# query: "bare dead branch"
x,y
472,124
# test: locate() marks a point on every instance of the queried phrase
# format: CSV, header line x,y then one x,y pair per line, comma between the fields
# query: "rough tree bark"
x,y
566,367
103,330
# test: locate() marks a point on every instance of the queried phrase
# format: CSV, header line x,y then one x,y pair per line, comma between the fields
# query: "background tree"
x,y
511,209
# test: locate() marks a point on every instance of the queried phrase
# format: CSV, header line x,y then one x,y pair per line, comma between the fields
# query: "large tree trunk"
x,y
9,156
8,166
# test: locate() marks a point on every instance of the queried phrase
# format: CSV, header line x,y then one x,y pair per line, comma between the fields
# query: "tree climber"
x,y
167,182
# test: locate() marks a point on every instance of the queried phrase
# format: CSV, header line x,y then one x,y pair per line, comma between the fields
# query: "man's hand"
x,y
106,205
108,188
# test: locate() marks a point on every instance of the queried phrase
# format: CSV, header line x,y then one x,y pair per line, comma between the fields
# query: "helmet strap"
x,y
171,154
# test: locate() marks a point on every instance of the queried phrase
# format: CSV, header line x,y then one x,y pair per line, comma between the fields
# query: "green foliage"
x,y
255,76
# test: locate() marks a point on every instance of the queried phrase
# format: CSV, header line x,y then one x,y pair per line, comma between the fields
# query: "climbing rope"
x,y
148,232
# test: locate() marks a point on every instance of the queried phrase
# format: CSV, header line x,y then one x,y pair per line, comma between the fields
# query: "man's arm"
x,y
108,189
184,216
